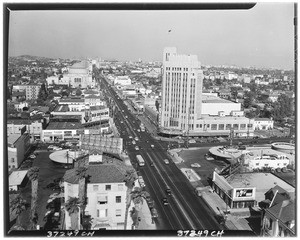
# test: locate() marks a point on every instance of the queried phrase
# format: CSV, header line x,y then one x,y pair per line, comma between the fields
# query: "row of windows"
x,y
176,69
102,213
225,126
107,187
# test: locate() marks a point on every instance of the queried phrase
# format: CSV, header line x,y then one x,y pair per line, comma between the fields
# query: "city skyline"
x,y
261,37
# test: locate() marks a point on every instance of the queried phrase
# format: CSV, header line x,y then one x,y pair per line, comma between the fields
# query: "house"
x,y
278,218
17,179
105,195
17,145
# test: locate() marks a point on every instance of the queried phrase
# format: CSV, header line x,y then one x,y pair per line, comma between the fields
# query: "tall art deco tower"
x,y
181,91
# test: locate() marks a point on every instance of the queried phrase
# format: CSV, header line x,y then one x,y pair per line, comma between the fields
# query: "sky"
x,y
260,37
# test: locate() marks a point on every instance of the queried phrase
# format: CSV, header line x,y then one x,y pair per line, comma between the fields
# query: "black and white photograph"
x,y
150,119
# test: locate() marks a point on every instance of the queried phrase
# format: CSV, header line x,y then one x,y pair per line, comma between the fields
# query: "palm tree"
x,y
138,196
72,206
33,175
18,205
130,177
82,175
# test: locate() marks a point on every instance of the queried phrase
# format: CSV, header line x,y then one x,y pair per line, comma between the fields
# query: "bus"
x,y
140,160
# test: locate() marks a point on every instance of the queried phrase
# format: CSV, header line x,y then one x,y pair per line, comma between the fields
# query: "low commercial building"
x,y
58,131
32,127
244,190
18,145
122,80
105,195
263,124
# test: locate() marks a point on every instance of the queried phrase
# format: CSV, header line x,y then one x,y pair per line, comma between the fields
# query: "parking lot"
x,y
48,173
192,156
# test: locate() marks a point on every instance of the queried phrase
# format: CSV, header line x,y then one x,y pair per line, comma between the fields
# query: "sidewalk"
x,y
144,214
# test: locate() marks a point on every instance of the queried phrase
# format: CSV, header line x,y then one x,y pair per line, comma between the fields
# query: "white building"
x,y
79,75
122,80
106,195
32,91
186,110
263,124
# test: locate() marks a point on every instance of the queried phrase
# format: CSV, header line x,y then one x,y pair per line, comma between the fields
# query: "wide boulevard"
x,y
185,209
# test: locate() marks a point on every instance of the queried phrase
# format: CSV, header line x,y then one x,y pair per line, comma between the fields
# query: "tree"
x,y
72,206
33,175
18,205
138,196
81,174
78,92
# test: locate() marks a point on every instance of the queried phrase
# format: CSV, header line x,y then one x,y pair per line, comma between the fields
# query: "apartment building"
x,y
105,195
32,91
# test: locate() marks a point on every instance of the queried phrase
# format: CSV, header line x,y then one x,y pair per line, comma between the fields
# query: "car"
x,y
136,138
32,156
196,165
152,146
138,130
57,148
152,164
133,142
165,201
150,204
141,181
168,191
209,157
166,161
126,117
130,137
137,148
154,213
192,141
50,147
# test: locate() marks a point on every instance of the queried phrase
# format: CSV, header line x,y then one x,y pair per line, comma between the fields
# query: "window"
x,y
12,159
243,126
86,200
107,187
228,126
118,199
214,127
257,164
102,199
118,212
235,126
95,188
221,126
120,187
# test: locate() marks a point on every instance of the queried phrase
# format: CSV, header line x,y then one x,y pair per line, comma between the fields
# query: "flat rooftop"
x,y
261,181
213,99
63,125
16,177
12,138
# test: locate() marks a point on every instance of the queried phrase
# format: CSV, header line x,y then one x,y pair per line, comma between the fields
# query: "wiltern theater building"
x,y
186,110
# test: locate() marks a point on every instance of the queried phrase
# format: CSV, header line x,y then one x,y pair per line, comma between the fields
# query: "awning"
x,y
102,198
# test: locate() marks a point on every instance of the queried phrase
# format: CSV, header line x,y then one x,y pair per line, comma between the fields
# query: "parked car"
x,y
192,141
166,161
209,157
136,138
152,146
133,142
137,148
32,156
152,164
196,165
154,213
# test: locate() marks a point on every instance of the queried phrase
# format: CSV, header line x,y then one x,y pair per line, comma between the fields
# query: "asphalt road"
x,y
185,209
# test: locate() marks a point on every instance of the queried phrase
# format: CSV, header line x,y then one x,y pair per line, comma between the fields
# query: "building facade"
x,y
18,145
32,91
185,110
105,196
